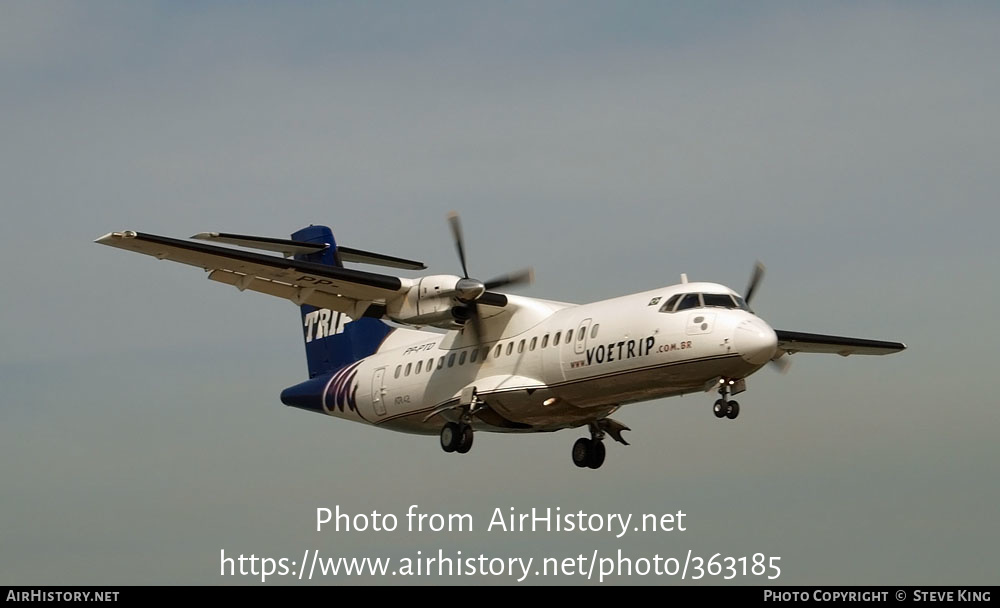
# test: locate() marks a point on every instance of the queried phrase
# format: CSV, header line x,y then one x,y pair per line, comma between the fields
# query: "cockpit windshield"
x,y
717,299
684,301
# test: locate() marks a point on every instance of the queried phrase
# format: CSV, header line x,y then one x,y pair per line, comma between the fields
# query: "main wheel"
x,y
450,437
465,436
581,452
733,410
596,457
720,409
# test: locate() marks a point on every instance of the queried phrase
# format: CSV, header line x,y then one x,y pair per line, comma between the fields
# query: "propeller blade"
x,y
473,321
523,276
456,232
477,323
755,278
492,298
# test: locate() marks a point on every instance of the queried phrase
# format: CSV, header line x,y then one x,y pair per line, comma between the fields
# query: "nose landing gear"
x,y
725,408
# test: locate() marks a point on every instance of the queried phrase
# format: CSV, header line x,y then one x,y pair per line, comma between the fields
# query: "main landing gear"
x,y
457,436
589,453
725,408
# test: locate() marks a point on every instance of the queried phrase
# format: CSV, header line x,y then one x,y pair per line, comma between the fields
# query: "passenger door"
x,y
580,337
378,391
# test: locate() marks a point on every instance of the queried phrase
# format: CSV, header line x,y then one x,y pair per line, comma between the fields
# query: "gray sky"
x,y
851,147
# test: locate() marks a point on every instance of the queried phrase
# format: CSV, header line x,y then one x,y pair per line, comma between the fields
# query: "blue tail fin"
x,y
334,340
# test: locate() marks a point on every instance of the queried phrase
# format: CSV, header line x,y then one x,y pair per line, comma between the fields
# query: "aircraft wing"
x,y
799,342
353,292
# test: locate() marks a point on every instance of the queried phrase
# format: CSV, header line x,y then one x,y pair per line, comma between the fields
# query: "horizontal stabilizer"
x,y
283,246
348,254
354,292
290,248
799,342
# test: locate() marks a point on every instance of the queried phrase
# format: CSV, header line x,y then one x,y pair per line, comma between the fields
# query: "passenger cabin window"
x,y
534,343
520,346
496,355
486,351
569,336
451,359
441,362
399,368
420,366
430,364
545,340
461,358
510,347
593,331
555,338
408,367
474,355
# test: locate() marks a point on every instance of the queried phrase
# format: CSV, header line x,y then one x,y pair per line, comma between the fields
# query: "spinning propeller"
x,y
755,278
782,363
469,291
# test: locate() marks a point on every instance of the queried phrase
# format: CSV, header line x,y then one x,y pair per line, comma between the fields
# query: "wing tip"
x,y
110,237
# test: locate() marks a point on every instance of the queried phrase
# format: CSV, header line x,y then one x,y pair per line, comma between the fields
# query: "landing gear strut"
x,y
725,408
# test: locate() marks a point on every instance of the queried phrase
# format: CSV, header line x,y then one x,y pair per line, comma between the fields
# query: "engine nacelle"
x,y
430,301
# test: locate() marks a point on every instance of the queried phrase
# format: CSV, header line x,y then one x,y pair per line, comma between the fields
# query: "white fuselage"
x,y
551,365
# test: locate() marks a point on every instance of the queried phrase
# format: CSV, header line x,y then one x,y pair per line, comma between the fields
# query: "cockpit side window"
x,y
721,300
690,300
668,306
741,304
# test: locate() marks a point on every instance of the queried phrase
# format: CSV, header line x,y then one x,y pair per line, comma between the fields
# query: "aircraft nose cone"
x,y
755,341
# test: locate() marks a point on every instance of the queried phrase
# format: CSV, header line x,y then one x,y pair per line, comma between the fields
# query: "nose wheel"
x,y
725,408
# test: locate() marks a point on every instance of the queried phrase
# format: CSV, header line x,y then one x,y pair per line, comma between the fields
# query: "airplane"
x,y
449,355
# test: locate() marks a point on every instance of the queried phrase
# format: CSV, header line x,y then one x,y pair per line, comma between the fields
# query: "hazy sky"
x,y
852,147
